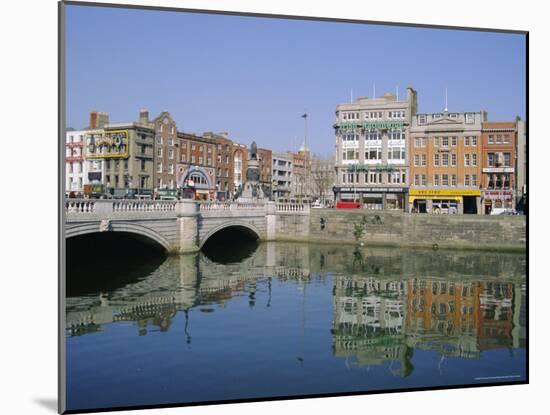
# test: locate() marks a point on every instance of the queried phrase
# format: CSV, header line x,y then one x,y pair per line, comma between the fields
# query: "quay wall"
x,y
386,228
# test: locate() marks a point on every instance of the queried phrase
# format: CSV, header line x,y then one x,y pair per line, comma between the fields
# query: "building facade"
x,y
197,165
265,158
445,162
371,157
281,175
521,166
240,162
323,179
224,164
498,165
166,149
75,166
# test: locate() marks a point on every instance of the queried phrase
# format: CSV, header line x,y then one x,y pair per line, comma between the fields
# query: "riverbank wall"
x,y
386,228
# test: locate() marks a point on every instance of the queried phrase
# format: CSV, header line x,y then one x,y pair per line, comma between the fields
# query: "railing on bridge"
x,y
216,206
292,208
108,206
119,205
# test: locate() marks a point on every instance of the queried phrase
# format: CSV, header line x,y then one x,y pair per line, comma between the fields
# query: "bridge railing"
x,y
217,206
144,205
80,205
107,206
292,208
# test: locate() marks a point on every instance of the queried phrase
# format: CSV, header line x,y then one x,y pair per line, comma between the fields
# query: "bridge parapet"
x,y
293,208
86,209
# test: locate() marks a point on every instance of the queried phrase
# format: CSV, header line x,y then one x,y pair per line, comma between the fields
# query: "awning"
x,y
441,197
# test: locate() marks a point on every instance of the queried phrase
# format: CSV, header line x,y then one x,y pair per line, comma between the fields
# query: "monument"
x,y
252,189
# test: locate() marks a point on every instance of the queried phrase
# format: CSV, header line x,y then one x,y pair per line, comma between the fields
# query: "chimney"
x,y
98,119
144,116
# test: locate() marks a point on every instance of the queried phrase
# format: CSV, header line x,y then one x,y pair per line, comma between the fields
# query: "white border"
x,y
29,228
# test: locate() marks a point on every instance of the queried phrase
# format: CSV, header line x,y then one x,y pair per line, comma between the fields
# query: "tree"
x,y
322,176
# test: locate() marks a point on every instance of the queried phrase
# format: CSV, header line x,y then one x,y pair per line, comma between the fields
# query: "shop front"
x,y
438,201
392,198
497,199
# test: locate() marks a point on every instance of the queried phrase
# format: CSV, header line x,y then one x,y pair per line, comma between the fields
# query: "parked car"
x,y
348,205
316,205
503,211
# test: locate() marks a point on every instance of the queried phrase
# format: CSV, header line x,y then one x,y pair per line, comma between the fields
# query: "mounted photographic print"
x,y
258,207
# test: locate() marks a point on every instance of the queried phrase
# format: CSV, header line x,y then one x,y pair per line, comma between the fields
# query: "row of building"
x,y
389,156
151,154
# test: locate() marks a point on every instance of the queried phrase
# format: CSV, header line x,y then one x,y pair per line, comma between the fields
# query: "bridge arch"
x,y
91,228
230,224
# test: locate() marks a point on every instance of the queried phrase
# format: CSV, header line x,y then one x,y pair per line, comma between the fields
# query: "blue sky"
x,y
254,77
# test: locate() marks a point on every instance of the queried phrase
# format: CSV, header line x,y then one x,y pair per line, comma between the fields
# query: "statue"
x,y
253,151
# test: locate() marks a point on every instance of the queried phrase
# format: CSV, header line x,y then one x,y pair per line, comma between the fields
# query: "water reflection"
x,y
386,303
295,319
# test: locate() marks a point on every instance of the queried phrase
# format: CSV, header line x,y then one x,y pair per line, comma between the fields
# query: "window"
x,y
171,154
474,179
445,159
423,159
436,141
171,168
417,142
453,141
416,180
125,164
142,165
159,152
498,139
506,139
200,159
436,180
159,167
453,159
466,141
108,164
506,159
423,180
491,139
436,159
474,159
417,159
491,159
193,158
466,159
445,142
474,140
159,139
506,181
470,118
445,179
466,180
453,179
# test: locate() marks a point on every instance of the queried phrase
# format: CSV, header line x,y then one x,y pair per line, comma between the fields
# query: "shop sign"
x,y
498,170
497,195
371,125
367,167
371,189
443,193
107,144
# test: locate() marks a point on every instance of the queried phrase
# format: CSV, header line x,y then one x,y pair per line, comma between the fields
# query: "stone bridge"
x,y
178,226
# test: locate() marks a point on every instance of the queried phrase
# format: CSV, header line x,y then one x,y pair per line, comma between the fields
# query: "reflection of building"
x,y
445,165
498,165
371,150
378,320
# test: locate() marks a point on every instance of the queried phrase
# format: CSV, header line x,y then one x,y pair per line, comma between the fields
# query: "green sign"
x,y
365,167
371,125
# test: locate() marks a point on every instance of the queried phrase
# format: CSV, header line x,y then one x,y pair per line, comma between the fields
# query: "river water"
x,y
281,319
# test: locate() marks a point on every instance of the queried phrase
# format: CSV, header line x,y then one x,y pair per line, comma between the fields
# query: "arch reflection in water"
x,y
406,317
